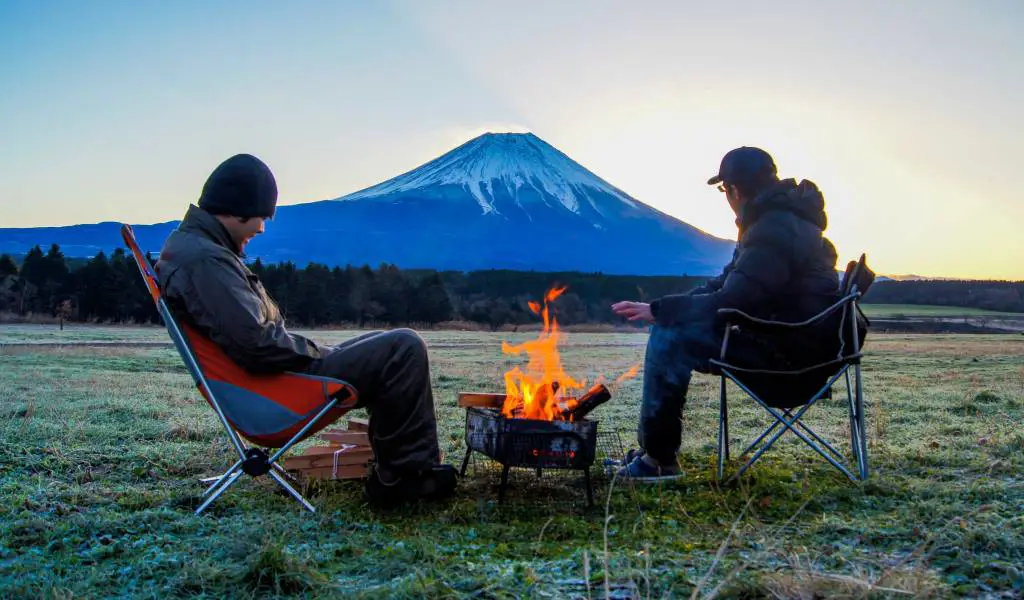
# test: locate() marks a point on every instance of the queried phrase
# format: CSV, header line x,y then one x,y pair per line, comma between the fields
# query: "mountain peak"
x,y
506,162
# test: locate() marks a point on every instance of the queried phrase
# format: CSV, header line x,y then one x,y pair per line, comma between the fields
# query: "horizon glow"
x,y
906,116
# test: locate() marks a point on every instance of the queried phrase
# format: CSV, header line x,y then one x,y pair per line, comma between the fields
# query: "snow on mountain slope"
x,y
512,160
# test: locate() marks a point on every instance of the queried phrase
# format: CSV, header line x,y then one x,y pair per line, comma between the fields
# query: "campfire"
x,y
540,422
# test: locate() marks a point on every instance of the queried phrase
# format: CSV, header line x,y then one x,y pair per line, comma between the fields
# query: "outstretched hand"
x,y
634,311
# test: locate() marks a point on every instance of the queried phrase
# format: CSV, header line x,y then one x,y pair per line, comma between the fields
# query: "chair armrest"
x,y
734,316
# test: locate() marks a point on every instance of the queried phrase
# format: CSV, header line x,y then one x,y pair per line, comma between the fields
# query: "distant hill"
x,y
499,201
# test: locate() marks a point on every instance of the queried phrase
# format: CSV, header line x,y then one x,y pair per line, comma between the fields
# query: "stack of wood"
x,y
346,455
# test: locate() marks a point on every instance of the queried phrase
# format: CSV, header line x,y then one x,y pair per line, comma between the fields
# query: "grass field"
x,y
926,310
101,446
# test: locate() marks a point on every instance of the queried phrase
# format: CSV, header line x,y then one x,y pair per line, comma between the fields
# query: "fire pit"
x,y
530,443
540,422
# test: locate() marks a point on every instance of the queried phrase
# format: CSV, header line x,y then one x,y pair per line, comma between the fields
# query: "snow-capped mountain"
x,y
506,161
499,201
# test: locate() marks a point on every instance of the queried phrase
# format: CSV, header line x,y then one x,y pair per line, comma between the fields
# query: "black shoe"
x,y
436,483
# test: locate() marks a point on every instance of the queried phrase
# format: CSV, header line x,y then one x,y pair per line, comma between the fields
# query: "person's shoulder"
x,y
190,251
775,224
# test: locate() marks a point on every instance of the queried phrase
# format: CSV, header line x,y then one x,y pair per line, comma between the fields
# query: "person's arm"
x,y
760,270
219,299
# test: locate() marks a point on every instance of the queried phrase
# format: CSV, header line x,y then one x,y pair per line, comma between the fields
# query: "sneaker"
x,y
641,471
613,464
436,483
633,454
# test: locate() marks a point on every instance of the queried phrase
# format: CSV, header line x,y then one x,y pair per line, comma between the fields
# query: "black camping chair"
x,y
787,394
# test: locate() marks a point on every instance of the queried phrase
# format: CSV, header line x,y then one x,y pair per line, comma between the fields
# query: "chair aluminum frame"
x,y
247,455
856,469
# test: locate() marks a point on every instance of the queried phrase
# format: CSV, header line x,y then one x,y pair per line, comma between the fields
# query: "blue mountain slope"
x,y
507,201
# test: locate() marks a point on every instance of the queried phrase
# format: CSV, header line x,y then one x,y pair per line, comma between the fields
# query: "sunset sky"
x,y
908,115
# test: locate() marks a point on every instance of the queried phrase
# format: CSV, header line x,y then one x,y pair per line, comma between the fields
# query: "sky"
x,y
906,114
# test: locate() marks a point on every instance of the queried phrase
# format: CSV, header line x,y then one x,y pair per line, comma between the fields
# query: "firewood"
x,y
343,472
327,457
595,396
481,400
337,437
358,424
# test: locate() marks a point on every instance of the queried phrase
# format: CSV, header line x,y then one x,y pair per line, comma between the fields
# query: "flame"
x,y
543,390
537,391
631,373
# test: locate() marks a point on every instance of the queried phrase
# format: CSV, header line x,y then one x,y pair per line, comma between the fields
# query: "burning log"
x,y
594,397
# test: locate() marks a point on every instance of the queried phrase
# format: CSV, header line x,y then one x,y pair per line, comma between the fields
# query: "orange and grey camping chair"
x,y
270,411
787,395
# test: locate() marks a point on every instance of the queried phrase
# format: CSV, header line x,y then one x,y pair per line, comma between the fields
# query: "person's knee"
x,y
408,340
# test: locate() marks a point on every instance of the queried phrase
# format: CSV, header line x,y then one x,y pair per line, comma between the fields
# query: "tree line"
x,y
1005,296
109,289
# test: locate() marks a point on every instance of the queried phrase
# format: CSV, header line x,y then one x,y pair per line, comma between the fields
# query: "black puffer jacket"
x,y
783,267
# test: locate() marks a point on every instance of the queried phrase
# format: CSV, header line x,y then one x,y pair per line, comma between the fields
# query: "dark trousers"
x,y
673,353
391,372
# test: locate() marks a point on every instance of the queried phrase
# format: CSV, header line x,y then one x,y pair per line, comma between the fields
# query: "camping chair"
x,y
787,394
270,411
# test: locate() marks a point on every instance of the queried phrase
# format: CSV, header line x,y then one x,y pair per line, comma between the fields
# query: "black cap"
x,y
242,186
743,164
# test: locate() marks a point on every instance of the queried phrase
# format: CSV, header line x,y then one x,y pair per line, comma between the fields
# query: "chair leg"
x,y
284,472
854,426
763,435
213,481
789,425
862,460
723,430
231,479
295,494
820,440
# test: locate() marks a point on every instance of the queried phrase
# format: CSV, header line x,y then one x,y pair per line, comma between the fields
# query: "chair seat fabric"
x,y
266,409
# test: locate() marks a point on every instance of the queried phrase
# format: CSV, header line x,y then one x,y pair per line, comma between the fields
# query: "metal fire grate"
x,y
538,446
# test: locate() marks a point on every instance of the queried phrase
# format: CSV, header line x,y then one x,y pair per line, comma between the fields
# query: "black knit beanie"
x,y
242,186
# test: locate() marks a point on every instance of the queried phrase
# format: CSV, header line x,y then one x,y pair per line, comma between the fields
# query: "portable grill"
x,y
528,443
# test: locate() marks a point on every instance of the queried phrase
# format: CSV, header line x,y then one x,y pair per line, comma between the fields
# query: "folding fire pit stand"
x,y
527,443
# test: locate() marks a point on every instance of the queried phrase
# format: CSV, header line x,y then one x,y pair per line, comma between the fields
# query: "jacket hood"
x,y
199,222
801,199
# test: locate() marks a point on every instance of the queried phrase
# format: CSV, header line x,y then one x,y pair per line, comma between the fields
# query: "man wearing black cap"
x,y
207,284
783,268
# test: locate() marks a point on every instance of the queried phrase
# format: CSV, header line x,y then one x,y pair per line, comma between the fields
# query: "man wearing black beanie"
x,y
207,284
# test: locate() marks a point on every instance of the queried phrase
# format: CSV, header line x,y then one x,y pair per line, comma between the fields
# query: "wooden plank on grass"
x,y
358,424
326,457
343,472
481,400
337,436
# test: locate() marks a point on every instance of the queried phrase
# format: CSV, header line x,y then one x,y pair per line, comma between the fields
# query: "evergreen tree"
x,y
95,295
55,283
391,292
359,297
338,291
7,266
9,284
430,302
32,276
312,305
